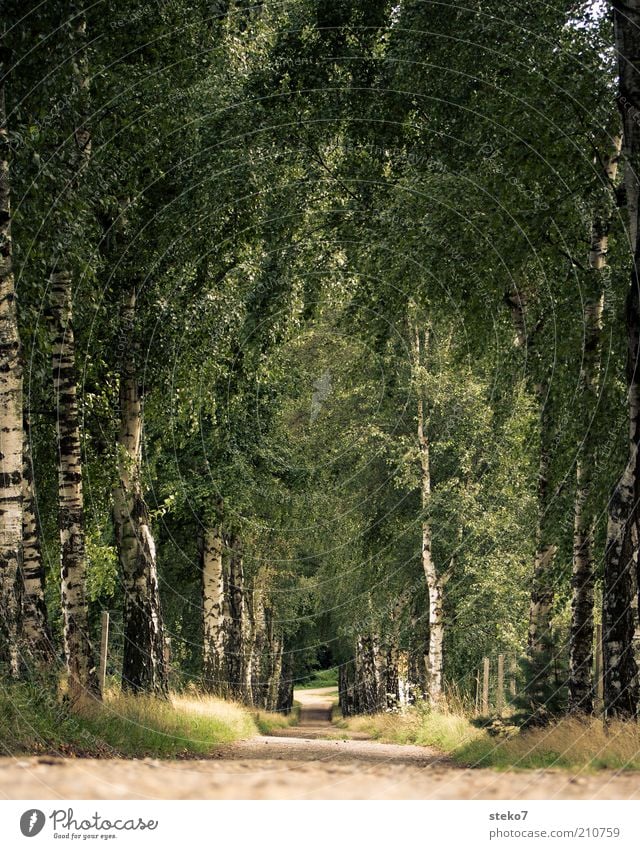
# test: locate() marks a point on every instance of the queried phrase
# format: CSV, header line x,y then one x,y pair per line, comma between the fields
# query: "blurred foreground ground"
x,y
309,761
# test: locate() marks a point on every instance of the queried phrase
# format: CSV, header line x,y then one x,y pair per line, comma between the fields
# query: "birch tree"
x,y
143,665
435,580
237,625
583,573
83,680
620,669
36,631
11,435
214,609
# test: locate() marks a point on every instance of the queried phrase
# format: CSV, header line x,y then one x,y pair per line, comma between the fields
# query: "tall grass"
x,y
445,730
269,721
568,744
35,720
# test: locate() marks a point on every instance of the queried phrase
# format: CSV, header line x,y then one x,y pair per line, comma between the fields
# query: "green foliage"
x,y
319,678
102,567
543,694
289,190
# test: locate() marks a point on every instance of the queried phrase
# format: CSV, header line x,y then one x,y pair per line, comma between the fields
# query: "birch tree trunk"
x,y
540,637
285,690
581,693
236,625
346,688
391,650
582,584
36,632
391,678
435,583
143,664
417,660
248,646
541,601
213,611
259,661
274,658
83,680
620,669
367,689
11,436
539,640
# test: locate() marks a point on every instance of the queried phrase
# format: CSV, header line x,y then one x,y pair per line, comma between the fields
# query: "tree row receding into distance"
x,y
319,333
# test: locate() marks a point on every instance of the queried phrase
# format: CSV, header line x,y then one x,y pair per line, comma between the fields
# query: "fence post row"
x,y
483,679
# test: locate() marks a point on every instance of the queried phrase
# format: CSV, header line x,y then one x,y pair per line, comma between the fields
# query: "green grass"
x,y
568,744
446,731
268,721
320,678
34,720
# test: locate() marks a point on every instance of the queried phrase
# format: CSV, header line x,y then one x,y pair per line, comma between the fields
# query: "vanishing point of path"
x,y
313,760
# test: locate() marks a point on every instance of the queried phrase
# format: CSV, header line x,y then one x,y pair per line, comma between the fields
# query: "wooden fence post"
x,y
500,693
512,683
477,692
104,645
599,705
485,686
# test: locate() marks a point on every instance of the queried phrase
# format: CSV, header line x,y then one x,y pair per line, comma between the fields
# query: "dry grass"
x,y
269,721
184,725
444,729
569,744
36,720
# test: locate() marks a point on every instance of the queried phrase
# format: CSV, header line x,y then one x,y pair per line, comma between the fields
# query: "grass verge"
x,y
268,722
35,721
568,744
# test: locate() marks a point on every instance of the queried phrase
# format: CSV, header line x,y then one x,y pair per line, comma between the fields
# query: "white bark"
x,y
581,690
144,668
235,649
257,661
83,679
621,554
367,685
276,645
10,424
213,611
36,633
435,582
82,673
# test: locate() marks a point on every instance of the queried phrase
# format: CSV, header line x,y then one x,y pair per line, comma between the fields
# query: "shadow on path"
x,y
316,738
313,760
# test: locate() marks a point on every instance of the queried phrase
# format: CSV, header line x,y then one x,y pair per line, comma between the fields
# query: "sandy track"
x,y
319,778
299,765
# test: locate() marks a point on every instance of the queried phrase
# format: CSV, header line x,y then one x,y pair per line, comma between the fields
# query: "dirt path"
x,y
315,739
300,763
